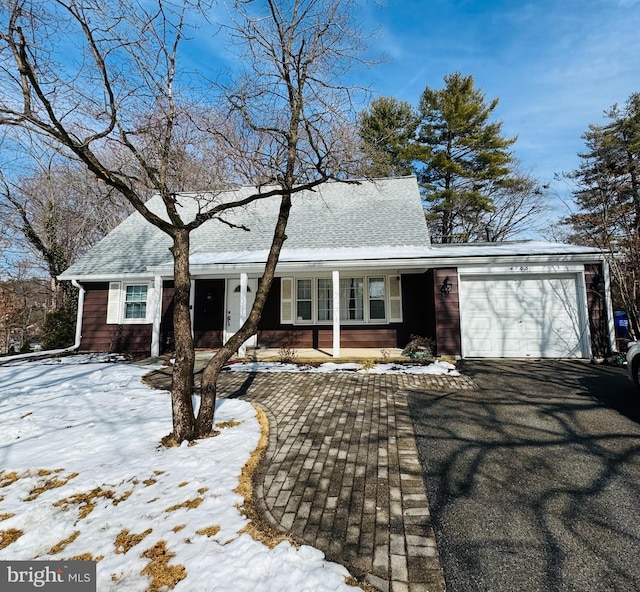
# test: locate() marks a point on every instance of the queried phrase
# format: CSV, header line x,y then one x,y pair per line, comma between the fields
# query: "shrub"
x,y
419,347
59,329
287,355
368,364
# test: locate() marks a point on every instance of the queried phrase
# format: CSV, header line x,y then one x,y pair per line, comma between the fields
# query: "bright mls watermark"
x,y
48,576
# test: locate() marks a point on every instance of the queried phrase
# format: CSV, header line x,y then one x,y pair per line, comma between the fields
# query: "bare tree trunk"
x,y
204,422
181,389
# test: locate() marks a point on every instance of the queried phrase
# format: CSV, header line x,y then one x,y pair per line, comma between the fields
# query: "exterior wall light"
x,y
445,289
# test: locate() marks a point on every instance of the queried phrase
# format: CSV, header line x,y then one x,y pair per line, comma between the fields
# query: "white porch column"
x,y
242,350
335,275
611,327
157,316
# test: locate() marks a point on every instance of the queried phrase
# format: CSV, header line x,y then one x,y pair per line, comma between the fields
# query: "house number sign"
x,y
521,268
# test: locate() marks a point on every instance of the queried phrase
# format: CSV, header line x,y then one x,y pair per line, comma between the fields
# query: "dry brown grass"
x,y
7,478
9,536
209,530
178,528
26,414
125,541
63,543
86,557
48,485
351,581
149,482
87,501
6,516
162,574
228,424
257,528
183,484
189,504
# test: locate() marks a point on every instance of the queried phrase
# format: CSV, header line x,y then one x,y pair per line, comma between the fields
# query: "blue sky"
x,y
554,65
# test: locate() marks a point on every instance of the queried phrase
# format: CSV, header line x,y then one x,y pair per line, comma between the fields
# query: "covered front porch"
x,y
346,354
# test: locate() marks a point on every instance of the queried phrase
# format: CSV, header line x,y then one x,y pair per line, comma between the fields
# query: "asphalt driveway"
x,y
534,478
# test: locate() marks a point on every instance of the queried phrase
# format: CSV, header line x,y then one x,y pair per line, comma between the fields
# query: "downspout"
x,y
81,292
66,350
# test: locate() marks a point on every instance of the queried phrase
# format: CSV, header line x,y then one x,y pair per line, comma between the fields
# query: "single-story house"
x,y
362,249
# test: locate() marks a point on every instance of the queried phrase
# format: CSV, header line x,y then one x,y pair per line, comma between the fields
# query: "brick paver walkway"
x,y
342,470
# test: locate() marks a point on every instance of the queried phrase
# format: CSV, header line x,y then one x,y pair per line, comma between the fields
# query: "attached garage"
x,y
527,313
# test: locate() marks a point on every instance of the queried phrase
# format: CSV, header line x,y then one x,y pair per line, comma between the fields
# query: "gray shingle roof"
x,y
371,214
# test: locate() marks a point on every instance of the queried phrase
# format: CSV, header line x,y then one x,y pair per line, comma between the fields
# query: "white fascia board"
x,y
114,277
288,267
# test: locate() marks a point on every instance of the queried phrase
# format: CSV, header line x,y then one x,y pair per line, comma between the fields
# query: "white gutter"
x,y
54,352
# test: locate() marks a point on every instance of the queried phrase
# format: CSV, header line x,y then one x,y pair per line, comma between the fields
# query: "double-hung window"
x,y
377,299
135,301
129,302
304,300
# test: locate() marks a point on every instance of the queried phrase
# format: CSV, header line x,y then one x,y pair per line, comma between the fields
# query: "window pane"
x,y
325,299
304,310
304,289
376,309
136,302
376,288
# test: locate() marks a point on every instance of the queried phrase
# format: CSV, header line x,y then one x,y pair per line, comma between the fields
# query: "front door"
x,y
233,308
208,313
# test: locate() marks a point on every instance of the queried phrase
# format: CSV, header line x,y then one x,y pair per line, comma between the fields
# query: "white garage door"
x,y
517,317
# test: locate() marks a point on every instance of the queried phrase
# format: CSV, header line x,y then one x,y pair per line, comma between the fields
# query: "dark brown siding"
x,y
597,312
447,312
98,336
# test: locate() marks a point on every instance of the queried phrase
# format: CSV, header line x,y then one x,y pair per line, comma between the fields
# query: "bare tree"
x,y
124,95
519,205
289,110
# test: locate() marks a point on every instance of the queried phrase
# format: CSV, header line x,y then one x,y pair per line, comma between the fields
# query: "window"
x,y
352,299
325,299
304,300
135,302
130,303
364,299
377,299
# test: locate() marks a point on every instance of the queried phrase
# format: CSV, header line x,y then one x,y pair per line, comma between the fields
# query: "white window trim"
x,y
116,303
344,322
314,302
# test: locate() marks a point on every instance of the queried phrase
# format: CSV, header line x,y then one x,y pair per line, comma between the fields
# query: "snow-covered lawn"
x,y
82,475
